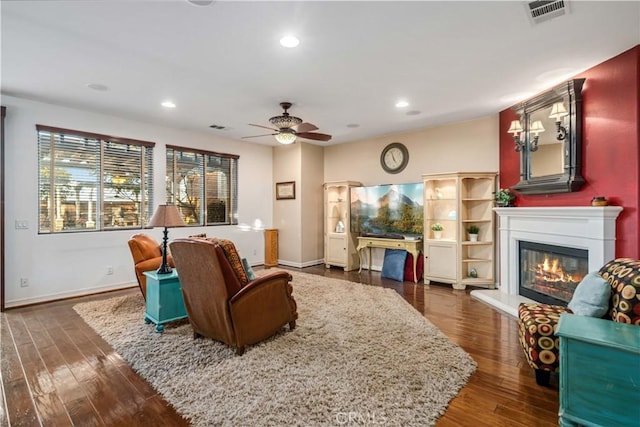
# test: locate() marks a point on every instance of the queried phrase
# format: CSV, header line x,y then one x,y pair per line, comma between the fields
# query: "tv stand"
x,y
412,246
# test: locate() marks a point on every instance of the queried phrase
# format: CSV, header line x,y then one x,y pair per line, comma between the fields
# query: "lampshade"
x,y
515,127
536,127
285,121
286,137
558,111
166,216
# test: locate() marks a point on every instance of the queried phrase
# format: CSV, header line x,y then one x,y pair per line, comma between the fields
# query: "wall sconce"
x,y
535,129
557,113
516,129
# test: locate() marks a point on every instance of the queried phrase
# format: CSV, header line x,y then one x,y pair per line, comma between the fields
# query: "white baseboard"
x,y
373,267
300,264
70,294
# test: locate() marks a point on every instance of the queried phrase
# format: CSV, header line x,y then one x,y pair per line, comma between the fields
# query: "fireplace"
x,y
550,273
589,228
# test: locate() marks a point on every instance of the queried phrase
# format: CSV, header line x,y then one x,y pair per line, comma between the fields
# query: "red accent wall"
x,y
611,153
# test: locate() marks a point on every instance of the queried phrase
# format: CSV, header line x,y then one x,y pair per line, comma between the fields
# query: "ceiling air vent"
x,y
540,11
217,127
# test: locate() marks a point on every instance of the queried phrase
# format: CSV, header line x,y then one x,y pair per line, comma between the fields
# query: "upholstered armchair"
x,y
147,256
537,323
222,303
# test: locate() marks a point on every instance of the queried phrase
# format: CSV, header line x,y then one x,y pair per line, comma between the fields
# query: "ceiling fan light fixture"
x,y
285,121
286,137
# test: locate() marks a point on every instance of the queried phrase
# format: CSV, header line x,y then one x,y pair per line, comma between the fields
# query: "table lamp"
x,y
166,216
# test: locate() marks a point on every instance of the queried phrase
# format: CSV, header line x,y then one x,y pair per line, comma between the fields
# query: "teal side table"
x,y
599,372
164,299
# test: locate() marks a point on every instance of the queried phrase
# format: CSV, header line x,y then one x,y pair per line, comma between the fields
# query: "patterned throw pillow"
x,y
232,256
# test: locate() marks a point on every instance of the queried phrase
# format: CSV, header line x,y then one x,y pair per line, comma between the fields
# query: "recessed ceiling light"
x,y
402,104
413,113
97,86
353,125
168,104
289,41
200,2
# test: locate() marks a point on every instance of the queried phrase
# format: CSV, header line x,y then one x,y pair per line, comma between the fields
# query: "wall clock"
x,y
394,157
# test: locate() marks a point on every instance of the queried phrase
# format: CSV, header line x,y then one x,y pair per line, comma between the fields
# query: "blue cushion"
x,y
393,264
251,276
591,297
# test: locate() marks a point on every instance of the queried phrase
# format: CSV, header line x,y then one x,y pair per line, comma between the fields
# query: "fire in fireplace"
x,y
549,273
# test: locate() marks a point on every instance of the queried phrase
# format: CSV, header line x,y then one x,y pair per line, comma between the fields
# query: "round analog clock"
x,y
394,157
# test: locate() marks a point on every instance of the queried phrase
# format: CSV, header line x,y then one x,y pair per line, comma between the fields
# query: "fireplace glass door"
x,y
549,273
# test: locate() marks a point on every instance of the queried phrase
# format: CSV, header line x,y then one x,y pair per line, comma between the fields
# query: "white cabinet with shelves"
x,y
339,240
457,201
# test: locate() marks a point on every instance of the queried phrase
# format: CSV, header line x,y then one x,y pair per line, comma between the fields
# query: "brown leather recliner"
x,y
147,256
220,305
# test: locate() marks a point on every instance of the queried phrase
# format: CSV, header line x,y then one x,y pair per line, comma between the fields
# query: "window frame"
x,y
145,184
231,215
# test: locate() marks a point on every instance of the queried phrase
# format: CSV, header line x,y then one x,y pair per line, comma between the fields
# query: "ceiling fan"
x,y
288,128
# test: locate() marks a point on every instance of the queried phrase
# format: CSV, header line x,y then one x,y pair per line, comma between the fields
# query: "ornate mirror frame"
x,y
570,94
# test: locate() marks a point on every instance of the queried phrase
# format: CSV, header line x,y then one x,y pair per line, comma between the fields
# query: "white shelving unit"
x,y
458,200
339,241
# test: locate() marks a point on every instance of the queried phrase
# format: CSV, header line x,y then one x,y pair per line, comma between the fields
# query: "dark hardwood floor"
x,y
57,371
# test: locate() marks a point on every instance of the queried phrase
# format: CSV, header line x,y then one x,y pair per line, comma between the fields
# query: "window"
x,y
203,185
98,182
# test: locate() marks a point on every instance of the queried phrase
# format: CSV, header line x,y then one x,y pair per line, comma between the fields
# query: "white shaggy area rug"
x,y
359,354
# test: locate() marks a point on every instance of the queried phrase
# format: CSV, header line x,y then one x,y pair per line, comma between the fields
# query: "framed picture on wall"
x,y
285,190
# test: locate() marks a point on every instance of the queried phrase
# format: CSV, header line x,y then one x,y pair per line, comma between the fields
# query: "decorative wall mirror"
x,y
548,136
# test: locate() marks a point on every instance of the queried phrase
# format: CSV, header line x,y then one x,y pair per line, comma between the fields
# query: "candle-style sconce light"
x,y
558,111
516,130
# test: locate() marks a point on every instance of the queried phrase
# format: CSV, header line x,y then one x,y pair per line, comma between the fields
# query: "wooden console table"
x,y
412,246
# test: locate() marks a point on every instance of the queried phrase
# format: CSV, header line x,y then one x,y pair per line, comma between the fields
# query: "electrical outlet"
x,y
109,269
24,282
255,252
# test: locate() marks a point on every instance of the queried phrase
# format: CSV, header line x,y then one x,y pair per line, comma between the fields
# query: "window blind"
x,y
92,182
203,185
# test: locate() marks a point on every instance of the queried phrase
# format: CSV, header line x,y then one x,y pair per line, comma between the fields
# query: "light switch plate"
x,y
22,224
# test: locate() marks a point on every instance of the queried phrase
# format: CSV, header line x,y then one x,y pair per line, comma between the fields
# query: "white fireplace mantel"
x,y
590,228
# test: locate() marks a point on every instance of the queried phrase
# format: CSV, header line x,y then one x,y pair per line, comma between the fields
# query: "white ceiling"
x,y
222,64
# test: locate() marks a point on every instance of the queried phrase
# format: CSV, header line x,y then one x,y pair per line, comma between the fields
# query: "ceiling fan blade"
x,y
256,136
304,127
264,127
314,136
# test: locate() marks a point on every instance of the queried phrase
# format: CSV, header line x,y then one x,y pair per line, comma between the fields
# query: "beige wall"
x,y
299,221
287,214
312,204
470,146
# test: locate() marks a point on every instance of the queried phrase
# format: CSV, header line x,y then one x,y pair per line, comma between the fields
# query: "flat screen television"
x,y
388,209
